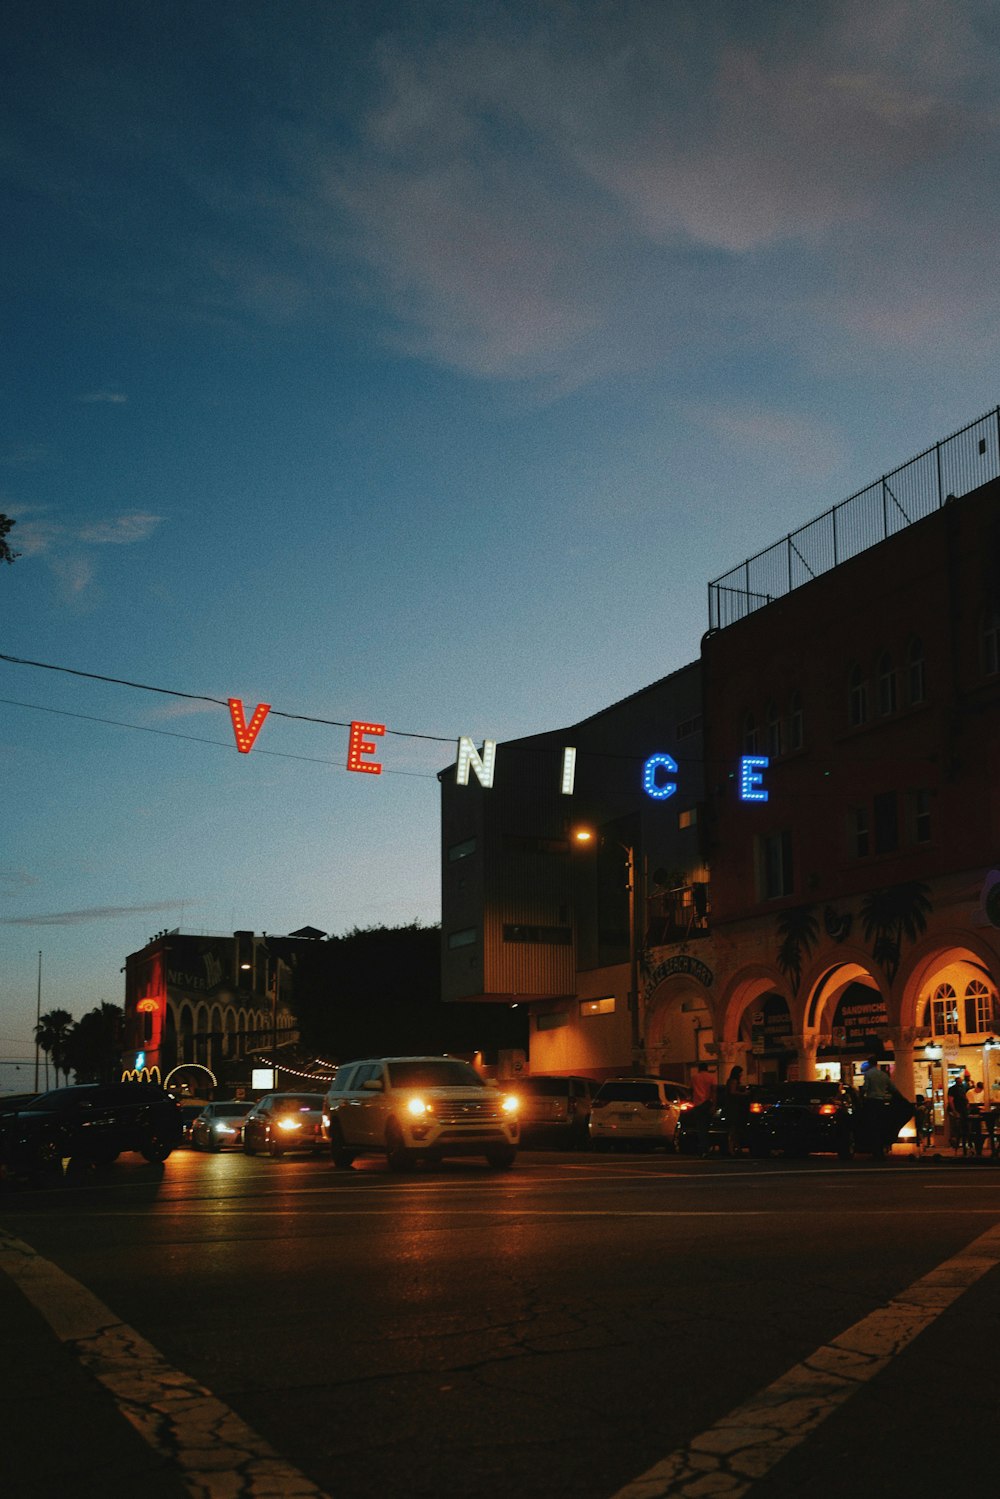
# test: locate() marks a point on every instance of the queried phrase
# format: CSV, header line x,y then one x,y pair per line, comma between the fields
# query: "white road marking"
x,y
745,1445
217,1455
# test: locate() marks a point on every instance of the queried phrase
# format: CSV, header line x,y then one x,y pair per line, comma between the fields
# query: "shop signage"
x,y
658,771
771,1029
681,963
859,1022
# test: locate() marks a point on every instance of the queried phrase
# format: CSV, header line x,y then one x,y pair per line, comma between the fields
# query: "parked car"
x,y
555,1109
800,1119
219,1126
280,1123
189,1113
686,1138
410,1107
637,1111
94,1123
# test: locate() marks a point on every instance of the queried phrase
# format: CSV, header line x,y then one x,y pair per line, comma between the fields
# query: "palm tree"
x,y
799,931
50,1034
890,915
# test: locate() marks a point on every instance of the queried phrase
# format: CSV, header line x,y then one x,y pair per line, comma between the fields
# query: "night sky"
x,y
421,363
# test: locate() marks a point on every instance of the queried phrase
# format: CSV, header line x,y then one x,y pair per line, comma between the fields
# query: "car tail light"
x,y
759,1108
828,1108
685,1105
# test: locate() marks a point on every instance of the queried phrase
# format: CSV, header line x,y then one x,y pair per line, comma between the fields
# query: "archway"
x,y
185,1039
680,1027
950,1002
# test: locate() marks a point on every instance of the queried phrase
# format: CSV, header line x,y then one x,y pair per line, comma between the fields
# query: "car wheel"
x,y
845,1152
155,1150
275,1149
501,1160
213,1146
396,1153
342,1158
249,1148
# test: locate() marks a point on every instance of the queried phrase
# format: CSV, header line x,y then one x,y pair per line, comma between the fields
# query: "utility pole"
x,y
38,1016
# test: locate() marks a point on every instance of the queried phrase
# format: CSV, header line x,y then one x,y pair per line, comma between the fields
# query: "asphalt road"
x,y
558,1330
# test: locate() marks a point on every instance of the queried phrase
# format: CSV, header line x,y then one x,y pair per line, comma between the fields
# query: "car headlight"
x,y
223,1129
511,1103
417,1107
289,1124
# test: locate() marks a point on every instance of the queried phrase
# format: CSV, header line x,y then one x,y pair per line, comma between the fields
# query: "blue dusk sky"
x,y
421,363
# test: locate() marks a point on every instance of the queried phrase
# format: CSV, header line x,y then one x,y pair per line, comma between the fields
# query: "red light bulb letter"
x,y
358,746
245,735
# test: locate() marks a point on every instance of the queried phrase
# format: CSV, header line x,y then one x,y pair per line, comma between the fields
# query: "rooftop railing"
x,y
950,468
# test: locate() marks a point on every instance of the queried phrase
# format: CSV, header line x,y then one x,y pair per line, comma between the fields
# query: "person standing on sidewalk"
x,y
703,1091
876,1091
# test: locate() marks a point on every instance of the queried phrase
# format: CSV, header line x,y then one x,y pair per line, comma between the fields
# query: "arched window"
x,y
978,1007
886,685
773,731
990,642
916,679
749,734
857,696
944,1011
795,722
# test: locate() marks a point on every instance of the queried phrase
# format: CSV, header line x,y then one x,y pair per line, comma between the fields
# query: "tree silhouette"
x,y
94,1045
51,1033
7,554
891,914
799,933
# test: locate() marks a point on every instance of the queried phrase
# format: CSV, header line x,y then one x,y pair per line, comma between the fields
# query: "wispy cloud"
x,y
93,913
121,530
14,879
69,548
104,398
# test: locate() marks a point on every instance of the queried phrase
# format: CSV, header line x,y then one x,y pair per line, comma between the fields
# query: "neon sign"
x,y
147,1006
657,771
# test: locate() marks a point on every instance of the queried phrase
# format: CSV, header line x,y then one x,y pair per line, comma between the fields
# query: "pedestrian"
x,y
876,1091
703,1094
923,1123
734,1102
958,1117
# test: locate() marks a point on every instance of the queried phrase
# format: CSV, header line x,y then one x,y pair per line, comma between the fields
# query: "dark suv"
x,y
800,1119
93,1123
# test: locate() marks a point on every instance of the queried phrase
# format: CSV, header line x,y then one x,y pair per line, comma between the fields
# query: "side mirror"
x,y
373,1085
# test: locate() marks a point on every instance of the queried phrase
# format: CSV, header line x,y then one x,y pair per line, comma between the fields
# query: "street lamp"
x,y
583,835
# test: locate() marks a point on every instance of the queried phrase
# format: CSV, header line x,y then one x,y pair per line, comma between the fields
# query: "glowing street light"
x,y
585,835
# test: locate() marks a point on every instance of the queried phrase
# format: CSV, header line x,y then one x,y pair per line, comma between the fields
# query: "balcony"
x,y
677,915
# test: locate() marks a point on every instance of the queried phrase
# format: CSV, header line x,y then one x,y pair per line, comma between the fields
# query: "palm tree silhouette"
x,y
50,1033
799,931
889,916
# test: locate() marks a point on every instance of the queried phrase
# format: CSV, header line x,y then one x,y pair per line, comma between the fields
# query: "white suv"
x,y
405,1107
640,1111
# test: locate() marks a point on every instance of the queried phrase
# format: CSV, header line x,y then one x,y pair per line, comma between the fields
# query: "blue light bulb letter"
x,y
751,780
659,790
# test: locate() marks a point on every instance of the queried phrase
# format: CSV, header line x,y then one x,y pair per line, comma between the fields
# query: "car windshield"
x,y
232,1110
628,1092
298,1103
432,1073
544,1087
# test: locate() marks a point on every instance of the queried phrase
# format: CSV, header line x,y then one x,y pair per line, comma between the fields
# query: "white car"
x,y
637,1111
408,1107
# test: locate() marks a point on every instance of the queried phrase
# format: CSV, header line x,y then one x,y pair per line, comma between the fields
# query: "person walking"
x,y
703,1095
958,1116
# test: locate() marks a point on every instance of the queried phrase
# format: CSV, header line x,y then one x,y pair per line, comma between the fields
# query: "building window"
x,y
464,938
749,734
991,643
773,731
688,819
548,936
979,1005
461,850
857,695
688,727
795,723
944,1011
886,820
916,678
604,1006
886,686
774,865
920,816
859,832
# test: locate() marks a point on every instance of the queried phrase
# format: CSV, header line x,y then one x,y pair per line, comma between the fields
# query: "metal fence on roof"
x,y
950,468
